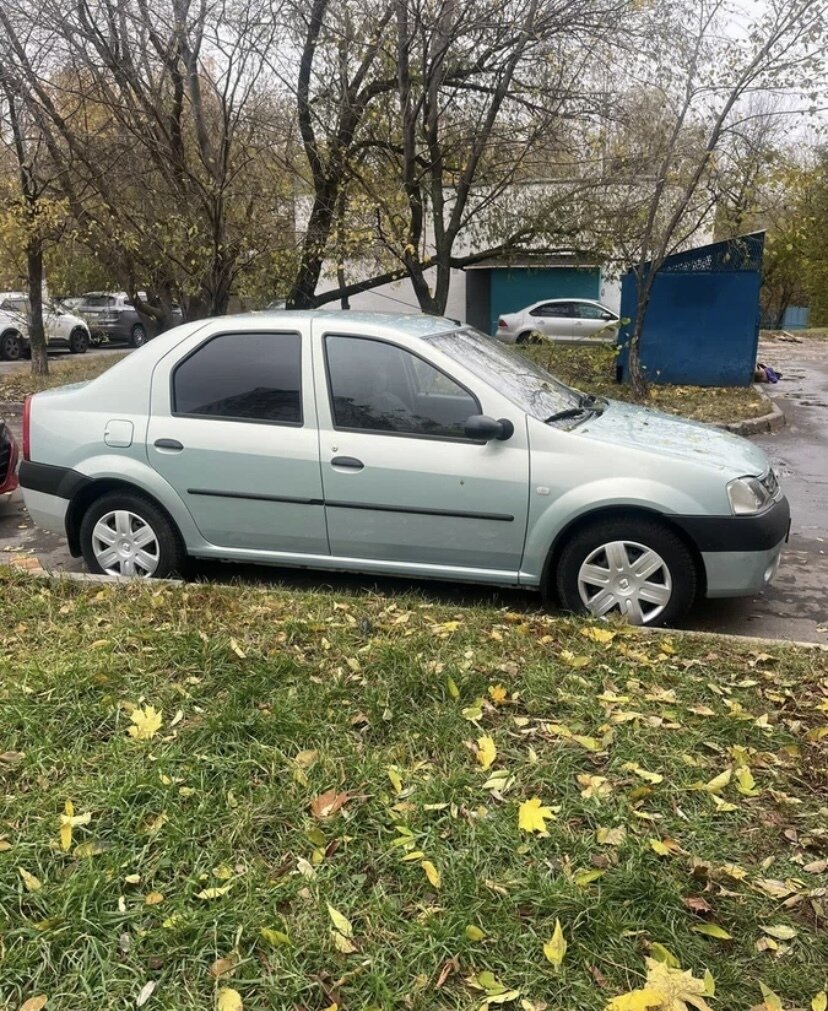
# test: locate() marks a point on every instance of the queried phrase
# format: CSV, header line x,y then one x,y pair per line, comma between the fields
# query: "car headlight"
x,y
747,495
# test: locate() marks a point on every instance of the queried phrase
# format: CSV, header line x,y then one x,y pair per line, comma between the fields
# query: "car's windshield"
x,y
526,384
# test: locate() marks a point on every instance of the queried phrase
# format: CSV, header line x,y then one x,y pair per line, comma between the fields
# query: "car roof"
x,y
412,324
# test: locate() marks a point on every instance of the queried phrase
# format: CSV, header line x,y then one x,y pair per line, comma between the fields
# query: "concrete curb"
x,y
770,422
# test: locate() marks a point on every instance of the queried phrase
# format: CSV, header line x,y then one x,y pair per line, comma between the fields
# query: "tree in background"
x,y
31,215
700,65
174,140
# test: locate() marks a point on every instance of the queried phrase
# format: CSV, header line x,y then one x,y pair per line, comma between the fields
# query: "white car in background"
x,y
63,329
560,319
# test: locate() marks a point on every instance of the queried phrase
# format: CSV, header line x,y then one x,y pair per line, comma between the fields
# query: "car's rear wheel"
x,y
126,534
78,342
11,346
635,567
137,336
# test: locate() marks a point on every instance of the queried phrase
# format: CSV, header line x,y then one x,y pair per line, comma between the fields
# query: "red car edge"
x,y
8,461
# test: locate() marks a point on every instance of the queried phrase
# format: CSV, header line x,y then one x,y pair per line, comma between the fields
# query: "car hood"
x,y
72,319
665,435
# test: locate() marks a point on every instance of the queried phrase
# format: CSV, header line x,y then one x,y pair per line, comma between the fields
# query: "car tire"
x,y
78,341
137,336
596,571
11,346
142,539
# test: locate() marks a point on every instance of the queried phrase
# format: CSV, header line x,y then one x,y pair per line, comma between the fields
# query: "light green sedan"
x,y
400,445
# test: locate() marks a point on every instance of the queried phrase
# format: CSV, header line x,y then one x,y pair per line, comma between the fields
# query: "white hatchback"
x,y
560,319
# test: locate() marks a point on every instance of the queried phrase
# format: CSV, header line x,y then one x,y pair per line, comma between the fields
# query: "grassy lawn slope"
x,y
214,797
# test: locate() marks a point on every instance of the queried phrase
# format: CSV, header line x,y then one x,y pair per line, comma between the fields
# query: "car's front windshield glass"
x,y
525,383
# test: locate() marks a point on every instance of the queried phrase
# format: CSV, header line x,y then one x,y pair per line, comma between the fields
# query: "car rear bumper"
x,y
110,331
740,553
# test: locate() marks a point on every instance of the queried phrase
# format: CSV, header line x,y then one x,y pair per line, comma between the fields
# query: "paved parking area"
x,y
794,607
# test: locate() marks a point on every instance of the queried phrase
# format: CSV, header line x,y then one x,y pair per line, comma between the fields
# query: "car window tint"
x,y
16,304
587,311
98,300
553,309
245,376
379,387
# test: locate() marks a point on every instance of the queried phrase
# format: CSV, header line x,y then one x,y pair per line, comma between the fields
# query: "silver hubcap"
x,y
124,544
627,577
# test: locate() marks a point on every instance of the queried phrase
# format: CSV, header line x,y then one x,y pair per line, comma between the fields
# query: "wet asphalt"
x,y
794,607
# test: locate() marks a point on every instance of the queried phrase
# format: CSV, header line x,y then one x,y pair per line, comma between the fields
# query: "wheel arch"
x,y
91,491
611,512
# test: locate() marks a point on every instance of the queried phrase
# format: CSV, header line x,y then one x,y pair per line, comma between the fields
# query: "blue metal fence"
x,y
702,323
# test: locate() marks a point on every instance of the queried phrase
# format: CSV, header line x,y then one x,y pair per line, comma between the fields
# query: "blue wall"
x,y
701,329
516,287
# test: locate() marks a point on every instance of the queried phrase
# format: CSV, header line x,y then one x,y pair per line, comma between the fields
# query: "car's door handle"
x,y
350,462
168,444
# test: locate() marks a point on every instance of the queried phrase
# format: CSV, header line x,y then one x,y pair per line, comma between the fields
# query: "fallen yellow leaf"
x,y
555,947
146,722
228,1000
533,815
342,924
34,1003
431,873
31,883
486,751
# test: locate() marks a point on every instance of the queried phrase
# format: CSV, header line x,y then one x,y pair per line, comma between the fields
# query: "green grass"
x,y
357,685
592,369
14,386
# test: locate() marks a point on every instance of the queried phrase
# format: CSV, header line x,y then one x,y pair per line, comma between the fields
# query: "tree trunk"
x,y
37,335
313,251
638,382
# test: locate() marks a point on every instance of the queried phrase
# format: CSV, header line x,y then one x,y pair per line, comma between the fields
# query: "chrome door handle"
x,y
350,462
168,444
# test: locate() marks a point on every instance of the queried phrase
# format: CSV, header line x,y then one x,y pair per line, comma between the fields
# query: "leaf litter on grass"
x,y
662,799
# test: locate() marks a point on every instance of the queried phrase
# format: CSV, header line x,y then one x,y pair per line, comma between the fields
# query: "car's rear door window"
x,y
380,387
242,377
553,309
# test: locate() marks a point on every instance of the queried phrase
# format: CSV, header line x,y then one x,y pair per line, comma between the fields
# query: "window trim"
x,y
247,421
378,431
537,314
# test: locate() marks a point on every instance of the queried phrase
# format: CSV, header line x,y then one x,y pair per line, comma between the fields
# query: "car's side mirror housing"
x,y
482,428
607,316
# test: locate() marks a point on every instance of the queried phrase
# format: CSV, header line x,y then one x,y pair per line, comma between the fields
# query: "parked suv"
x,y
14,336
403,445
112,317
62,328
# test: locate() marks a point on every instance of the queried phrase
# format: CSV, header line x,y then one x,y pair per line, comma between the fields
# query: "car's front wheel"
x,y
78,342
125,534
635,567
11,346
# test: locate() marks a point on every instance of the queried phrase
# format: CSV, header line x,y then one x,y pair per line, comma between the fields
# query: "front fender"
x,y
548,519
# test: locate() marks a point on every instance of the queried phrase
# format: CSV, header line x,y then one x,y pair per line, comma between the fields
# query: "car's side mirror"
x,y
607,316
482,428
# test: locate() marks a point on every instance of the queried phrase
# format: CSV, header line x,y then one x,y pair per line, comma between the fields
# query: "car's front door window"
x,y
380,387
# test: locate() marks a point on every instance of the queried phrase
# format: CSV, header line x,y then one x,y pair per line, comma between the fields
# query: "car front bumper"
x,y
740,553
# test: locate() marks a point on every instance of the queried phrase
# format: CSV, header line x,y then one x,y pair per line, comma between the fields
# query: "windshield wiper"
x,y
586,403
